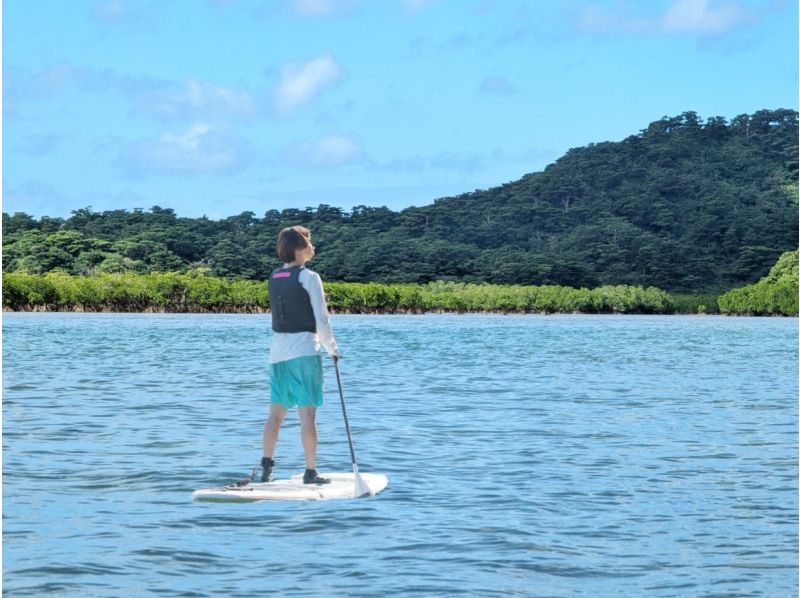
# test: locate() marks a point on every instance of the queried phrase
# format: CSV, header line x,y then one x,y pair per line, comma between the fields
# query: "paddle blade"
x,y
362,490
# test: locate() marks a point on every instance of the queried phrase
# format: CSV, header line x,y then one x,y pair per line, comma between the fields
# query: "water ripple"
x,y
527,456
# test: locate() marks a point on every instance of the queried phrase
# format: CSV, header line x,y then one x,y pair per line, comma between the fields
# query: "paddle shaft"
x,y
344,412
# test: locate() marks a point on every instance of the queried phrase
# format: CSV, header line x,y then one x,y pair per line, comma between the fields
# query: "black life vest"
x,y
289,302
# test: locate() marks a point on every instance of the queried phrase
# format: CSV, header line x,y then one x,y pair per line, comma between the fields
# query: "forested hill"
x,y
685,205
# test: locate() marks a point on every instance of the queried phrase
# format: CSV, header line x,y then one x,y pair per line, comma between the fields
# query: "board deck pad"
x,y
342,486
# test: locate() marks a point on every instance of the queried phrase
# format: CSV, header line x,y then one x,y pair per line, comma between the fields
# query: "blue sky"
x,y
216,107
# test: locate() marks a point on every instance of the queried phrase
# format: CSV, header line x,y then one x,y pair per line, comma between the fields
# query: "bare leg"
x,y
272,428
308,432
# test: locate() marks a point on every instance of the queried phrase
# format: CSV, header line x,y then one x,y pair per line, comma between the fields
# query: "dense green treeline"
x,y
776,293
174,292
685,205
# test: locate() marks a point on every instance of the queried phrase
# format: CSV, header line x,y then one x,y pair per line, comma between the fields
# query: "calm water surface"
x,y
527,456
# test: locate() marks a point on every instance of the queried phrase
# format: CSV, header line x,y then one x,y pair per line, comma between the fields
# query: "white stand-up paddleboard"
x,y
343,485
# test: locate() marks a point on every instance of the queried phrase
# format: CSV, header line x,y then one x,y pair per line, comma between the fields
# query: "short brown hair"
x,y
290,240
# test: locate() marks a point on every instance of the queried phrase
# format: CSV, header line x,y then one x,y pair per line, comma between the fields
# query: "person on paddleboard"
x,y
301,326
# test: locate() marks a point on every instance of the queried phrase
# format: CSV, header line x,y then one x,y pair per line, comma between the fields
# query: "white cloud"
x,y
110,10
202,148
705,17
336,149
300,82
701,16
194,100
320,8
329,150
187,100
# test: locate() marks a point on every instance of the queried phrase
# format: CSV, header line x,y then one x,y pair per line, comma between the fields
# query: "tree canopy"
x,y
684,205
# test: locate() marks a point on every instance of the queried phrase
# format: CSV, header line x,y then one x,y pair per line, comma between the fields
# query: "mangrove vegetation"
x,y
196,292
775,294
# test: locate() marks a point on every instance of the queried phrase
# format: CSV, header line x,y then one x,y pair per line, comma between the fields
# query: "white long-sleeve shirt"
x,y
288,345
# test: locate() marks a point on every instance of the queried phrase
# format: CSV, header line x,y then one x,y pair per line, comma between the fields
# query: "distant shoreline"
x,y
173,292
262,311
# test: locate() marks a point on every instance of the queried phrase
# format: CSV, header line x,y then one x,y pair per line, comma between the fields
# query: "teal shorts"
x,y
296,382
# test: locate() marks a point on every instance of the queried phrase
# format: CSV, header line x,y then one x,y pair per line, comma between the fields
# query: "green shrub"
x,y
195,290
21,289
775,294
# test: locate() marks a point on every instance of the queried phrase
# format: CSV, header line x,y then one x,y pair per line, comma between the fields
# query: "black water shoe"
x,y
266,469
312,477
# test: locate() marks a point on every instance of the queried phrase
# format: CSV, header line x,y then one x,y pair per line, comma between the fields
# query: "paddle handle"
x,y
344,413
